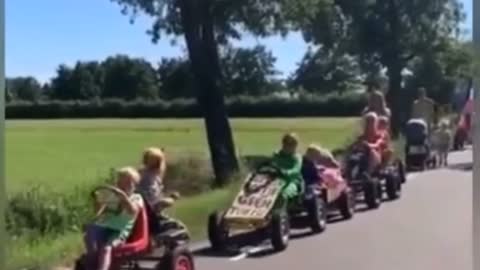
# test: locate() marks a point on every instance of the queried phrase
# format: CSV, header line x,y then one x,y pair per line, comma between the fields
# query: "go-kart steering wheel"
x,y
105,196
270,168
266,168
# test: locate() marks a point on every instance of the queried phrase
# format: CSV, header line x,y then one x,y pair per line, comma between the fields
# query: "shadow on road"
x,y
263,253
336,219
208,252
237,242
466,166
363,209
300,235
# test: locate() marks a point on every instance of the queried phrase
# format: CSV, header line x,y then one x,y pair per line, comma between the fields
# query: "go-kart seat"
x,y
139,239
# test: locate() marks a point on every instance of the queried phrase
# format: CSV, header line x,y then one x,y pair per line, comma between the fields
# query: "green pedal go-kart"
x,y
261,207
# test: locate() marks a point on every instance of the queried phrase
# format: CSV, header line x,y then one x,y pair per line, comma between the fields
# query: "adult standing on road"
x,y
424,108
377,104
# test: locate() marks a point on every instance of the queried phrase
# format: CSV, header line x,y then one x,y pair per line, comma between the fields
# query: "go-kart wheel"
x,y
178,259
346,204
217,232
435,162
80,264
407,162
459,141
392,187
401,172
371,194
317,214
280,230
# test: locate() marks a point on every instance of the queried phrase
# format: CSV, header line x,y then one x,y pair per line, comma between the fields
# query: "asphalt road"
x,y
429,228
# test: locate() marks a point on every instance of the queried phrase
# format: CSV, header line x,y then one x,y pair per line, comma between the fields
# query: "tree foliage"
x,y
82,82
245,71
248,71
23,88
389,33
326,71
176,80
439,71
129,78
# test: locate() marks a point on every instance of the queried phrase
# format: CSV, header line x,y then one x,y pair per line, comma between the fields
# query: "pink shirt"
x,y
468,109
331,177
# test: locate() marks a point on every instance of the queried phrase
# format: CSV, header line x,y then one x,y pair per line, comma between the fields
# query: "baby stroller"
x,y
418,153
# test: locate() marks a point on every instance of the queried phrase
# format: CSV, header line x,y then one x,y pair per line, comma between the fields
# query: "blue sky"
x,y
40,35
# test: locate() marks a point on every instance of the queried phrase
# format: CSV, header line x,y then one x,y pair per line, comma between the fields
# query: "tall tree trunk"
x,y
395,99
197,21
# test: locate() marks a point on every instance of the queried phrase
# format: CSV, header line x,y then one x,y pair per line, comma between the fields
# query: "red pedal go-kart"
x,y
388,179
165,252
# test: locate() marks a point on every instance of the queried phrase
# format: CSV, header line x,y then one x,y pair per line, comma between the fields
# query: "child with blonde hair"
x,y
322,156
310,170
373,139
442,140
384,131
151,188
152,174
320,166
113,224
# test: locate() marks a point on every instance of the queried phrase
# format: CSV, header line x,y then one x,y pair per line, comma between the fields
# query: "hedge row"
x,y
334,105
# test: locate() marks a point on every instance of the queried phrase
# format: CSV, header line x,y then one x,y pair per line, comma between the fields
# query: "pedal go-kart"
x,y
338,195
259,207
386,180
167,251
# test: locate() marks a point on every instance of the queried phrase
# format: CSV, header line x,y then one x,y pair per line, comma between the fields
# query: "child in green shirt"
x,y
290,163
113,223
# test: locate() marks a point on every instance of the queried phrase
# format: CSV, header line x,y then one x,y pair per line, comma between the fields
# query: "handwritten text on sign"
x,y
255,205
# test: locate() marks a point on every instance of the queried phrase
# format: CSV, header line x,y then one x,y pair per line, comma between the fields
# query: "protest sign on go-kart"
x,y
255,200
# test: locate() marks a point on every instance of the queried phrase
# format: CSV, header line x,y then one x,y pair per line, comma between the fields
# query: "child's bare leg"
x,y
105,258
374,161
166,222
90,239
387,157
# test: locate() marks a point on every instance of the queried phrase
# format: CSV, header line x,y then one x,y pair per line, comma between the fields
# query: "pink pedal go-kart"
x,y
336,192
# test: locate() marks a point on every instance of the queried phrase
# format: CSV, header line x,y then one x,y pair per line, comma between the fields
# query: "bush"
x,y
243,106
39,212
188,175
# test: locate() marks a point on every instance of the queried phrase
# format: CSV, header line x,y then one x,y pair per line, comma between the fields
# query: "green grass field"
x,y
62,154
65,153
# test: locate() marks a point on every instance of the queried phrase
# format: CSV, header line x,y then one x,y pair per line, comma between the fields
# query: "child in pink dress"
x,y
327,168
